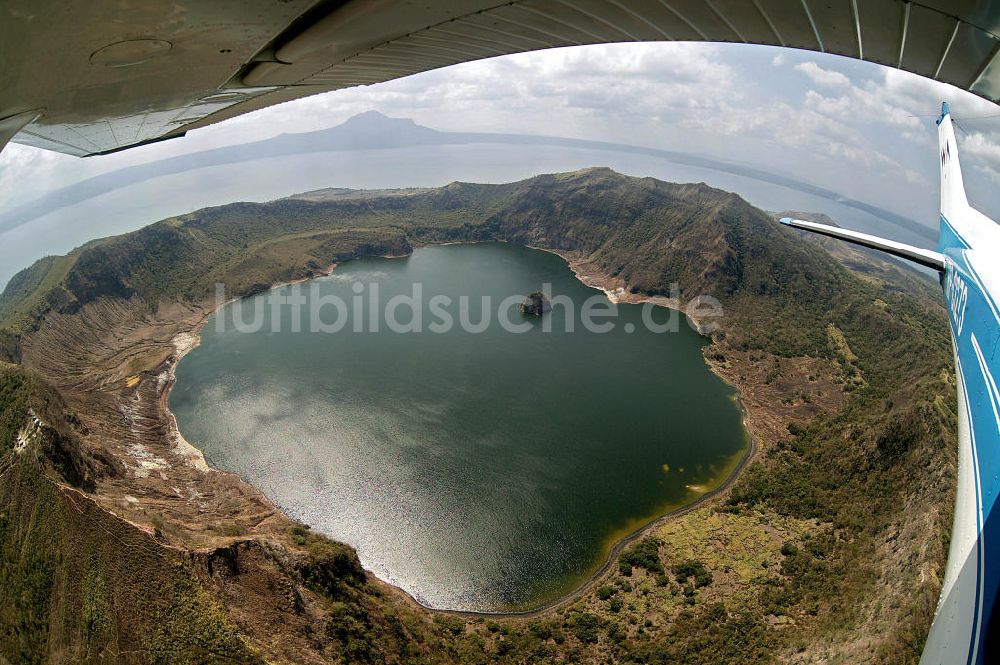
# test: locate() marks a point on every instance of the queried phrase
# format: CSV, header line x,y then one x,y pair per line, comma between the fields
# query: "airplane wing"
x,y
88,78
924,257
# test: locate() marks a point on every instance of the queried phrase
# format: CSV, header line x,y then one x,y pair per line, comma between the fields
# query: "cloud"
x,y
984,149
25,172
980,145
825,77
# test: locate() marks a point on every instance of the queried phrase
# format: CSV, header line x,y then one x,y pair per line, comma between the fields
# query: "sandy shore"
x,y
184,343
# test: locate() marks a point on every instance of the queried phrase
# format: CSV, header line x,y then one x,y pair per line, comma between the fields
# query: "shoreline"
x,y
616,550
621,295
186,341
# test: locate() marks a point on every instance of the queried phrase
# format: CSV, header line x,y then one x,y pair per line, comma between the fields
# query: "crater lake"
x,y
477,468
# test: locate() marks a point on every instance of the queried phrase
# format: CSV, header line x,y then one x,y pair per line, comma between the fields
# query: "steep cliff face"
x,y
77,583
120,544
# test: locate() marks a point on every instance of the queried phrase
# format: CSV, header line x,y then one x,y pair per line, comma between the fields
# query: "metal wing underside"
x,y
96,77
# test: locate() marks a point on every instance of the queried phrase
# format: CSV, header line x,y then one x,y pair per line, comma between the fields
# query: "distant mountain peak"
x,y
593,171
363,131
376,119
371,113
585,175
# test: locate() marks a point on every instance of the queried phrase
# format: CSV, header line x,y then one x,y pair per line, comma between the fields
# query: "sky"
x,y
860,129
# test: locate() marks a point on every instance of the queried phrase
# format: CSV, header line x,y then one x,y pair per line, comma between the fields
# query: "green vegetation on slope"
x,y
854,471
28,292
15,395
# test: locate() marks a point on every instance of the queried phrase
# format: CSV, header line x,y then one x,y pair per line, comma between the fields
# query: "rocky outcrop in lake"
x,y
535,304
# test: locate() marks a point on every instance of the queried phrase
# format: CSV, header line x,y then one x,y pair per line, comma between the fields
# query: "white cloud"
x,y
980,145
27,172
824,77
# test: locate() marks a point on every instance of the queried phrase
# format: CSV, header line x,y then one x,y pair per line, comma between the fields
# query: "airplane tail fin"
x,y
962,226
953,201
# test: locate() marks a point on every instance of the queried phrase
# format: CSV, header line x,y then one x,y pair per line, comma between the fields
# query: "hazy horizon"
x,y
860,130
135,206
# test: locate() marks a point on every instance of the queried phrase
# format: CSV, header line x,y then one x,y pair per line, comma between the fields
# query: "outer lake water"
x,y
482,470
